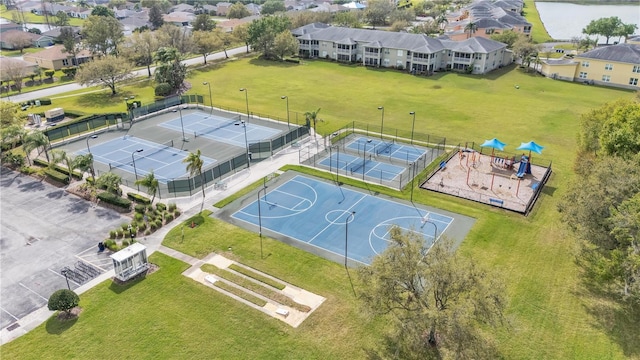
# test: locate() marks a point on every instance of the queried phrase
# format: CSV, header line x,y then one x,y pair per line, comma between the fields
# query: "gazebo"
x,y
130,261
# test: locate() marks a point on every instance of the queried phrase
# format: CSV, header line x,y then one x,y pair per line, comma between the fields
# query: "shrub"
x,y
119,234
125,243
116,200
69,71
63,300
40,162
112,246
163,89
109,243
147,232
28,170
158,223
140,209
138,198
161,206
13,159
45,101
112,234
172,207
138,216
49,73
124,226
176,213
168,218
153,226
57,176
292,61
142,227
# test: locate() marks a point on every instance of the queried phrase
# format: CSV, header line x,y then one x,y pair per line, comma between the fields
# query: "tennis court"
x,y
361,166
315,213
394,150
218,128
163,159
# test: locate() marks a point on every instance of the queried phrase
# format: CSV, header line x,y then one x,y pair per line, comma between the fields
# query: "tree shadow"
x,y
31,186
55,326
272,63
58,194
99,100
120,287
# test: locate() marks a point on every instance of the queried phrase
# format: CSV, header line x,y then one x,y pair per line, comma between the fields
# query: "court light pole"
x,y
413,124
346,246
90,137
133,159
129,109
260,218
210,98
285,97
246,142
381,121
184,138
246,99
413,167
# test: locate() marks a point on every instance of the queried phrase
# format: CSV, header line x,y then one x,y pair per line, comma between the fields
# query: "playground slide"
x,y
522,169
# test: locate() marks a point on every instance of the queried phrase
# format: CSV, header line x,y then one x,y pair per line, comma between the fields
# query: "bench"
x,y
210,279
493,201
283,312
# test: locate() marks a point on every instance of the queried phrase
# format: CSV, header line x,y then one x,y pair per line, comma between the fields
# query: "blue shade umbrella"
x,y
531,146
494,143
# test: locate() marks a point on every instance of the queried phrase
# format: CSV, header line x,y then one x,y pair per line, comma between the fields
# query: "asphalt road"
x,y
44,229
54,91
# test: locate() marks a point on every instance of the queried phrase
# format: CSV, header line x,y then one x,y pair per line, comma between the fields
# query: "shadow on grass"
x,y
272,63
119,288
100,100
56,326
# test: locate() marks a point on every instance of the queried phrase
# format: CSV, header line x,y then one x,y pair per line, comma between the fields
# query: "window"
x,y
583,75
633,81
606,78
386,51
399,52
65,62
488,31
608,66
636,68
585,64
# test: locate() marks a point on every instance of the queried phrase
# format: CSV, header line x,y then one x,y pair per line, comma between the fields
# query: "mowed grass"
x,y
551,315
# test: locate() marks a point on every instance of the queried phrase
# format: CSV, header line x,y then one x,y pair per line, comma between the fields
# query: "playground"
x,y
509,182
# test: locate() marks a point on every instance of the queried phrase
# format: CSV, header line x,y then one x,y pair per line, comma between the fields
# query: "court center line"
x,y
331,224
26,287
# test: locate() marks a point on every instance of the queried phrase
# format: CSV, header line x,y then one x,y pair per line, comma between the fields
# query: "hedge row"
x,y
58,168
116,200
138,198
56,175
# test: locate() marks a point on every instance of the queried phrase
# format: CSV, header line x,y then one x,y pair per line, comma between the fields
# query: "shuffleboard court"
x,y
315,213
164,160
377,147
218,128
357,166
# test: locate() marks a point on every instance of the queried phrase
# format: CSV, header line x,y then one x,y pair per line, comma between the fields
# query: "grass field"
x,y
552,314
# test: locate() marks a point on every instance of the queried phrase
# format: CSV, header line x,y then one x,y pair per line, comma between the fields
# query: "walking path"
x,y
190,207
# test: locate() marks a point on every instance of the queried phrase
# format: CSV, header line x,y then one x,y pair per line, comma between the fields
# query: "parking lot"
x,y
43,230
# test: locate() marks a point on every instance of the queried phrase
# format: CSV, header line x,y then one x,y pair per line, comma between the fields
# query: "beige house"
x,y
612,65
418,54
55,58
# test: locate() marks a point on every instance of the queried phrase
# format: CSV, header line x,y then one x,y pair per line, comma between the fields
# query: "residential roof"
x,y
54,33
308,29
56,53
32,36
10,25
179,16
474,45
625,53
559,61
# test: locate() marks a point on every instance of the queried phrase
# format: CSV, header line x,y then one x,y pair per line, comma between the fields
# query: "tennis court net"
x,y
361,164
383,147
224,124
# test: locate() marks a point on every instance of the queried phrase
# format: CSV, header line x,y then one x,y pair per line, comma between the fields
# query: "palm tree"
x,y
84,163
151,183
111,182
442,21
194,167
36,140
312,117
471,28
60,155
12,134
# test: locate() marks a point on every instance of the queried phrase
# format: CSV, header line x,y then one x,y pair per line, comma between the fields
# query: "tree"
x,y
620,133
347,19
62,19
170,35
12,134
241,33
36,140
102,11
151,183
272,6
426,27
609,27
17,40
524,49
285,43
155,16
442,21
508,37
225,39
203,22
302,18
61,156
70,43
262,33
194,167
470,29
400,25
15,71
9,115
84,163
171,70
107,71
377,12
238,11
406,15
165,5
435,301
111,182
140,48
102,35
206,43
63,300
312,118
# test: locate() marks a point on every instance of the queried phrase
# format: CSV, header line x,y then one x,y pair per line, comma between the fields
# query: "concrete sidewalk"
x,y
190,206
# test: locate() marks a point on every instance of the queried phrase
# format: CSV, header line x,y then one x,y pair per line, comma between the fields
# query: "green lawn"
x,y
538,33
33,18
551,314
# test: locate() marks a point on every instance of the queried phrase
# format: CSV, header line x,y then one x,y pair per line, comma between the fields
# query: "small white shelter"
x,y
130,261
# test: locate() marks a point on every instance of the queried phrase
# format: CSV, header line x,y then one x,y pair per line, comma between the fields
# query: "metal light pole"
x,y
285,97
246,99
184,138
346,245
246,142
381,121
413,166
210,98
129,110
260,217
90,137
413,124
133,159
64,272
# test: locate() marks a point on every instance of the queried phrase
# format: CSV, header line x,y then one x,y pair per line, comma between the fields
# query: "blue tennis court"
x,y
315,212
353,165
230,131
164,160
377,147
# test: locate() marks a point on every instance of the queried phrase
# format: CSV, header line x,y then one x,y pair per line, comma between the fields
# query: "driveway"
x,y
42,230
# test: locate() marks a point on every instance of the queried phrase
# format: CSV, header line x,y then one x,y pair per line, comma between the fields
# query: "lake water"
x,y
564,20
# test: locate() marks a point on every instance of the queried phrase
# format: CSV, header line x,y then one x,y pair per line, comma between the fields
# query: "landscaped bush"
x,y
45,101
163,89
125,243
292,61
69,71
142,227
140,209
138,217
109,243
112,234
153,226
116,200
172,207
11,158
28,170
158,223
161,206
138,198
168,218
147,232
57,176
40,162
176,213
